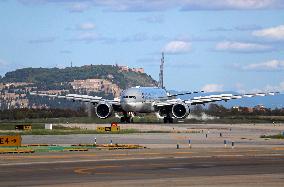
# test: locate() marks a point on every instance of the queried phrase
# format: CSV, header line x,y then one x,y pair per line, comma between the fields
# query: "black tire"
x,y
122,119
171,120
128,120
165,120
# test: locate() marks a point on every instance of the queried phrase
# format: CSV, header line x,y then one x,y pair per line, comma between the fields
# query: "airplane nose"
x,y
129,106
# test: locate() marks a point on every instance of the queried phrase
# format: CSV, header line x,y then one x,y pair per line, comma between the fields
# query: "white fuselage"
x,y
141,99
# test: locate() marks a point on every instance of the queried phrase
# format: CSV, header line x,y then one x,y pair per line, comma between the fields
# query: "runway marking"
x,y
182,152
149,153
119,155
233,151
159,164
219,151
120,159
47,156
93,169
201,156
181,157
114,155
253,150
270,154
176,168
10,158
82,171
78,161
107,166
103,173
229,156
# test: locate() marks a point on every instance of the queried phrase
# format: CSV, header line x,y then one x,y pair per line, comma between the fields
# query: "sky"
x,y
220,45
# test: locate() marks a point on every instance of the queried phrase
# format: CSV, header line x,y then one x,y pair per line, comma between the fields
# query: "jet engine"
x,y
104,110
180,110
162,113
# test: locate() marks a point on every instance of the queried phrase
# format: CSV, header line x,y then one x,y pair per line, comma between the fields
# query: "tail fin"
x,y
161,75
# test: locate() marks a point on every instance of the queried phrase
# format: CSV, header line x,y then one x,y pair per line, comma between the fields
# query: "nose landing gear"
x,y
126,118
168,119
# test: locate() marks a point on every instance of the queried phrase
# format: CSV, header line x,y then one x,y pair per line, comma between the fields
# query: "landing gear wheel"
x,y
126,120
168,120
165,120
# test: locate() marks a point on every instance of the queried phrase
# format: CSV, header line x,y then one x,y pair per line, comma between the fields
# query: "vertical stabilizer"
x,y
161,75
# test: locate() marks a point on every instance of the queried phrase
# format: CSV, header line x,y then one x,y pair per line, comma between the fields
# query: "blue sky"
x,y
219,45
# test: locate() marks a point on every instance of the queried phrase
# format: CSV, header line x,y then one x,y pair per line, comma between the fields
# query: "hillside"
x,y
99,80
52,76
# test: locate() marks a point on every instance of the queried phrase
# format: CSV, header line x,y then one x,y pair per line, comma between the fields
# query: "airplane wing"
x,y
185,93
178,94
80,98
224,97
210,99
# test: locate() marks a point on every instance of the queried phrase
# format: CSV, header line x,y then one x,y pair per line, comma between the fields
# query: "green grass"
x,y
62,120
277,136
39,123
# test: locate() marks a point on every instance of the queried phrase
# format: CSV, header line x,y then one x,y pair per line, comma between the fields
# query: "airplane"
x,y
150,100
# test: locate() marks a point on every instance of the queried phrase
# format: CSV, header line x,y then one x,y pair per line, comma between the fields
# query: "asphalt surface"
x,y
253,161
149,168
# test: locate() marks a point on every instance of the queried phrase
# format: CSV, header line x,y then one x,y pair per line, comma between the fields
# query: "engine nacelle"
x,y
162,113
180,110
104,110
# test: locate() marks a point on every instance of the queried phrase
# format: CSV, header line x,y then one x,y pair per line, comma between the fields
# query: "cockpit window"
x,y
126,96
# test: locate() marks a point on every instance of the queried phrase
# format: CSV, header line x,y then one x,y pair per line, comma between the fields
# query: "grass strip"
x,y
277,136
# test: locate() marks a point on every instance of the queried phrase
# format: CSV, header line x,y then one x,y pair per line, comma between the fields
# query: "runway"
x,y
253,161
186,167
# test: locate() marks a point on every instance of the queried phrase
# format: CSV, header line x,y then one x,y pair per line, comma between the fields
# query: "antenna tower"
x,y
161,75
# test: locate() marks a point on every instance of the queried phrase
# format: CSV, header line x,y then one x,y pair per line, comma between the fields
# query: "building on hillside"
x,y
127,69
248,109
260,108
96,85
13,100
2,86
243,109
55,92
16,84
138,70
124,68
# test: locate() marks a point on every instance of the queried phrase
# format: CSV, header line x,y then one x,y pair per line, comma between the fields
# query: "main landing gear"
x,y
168,119
126,118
